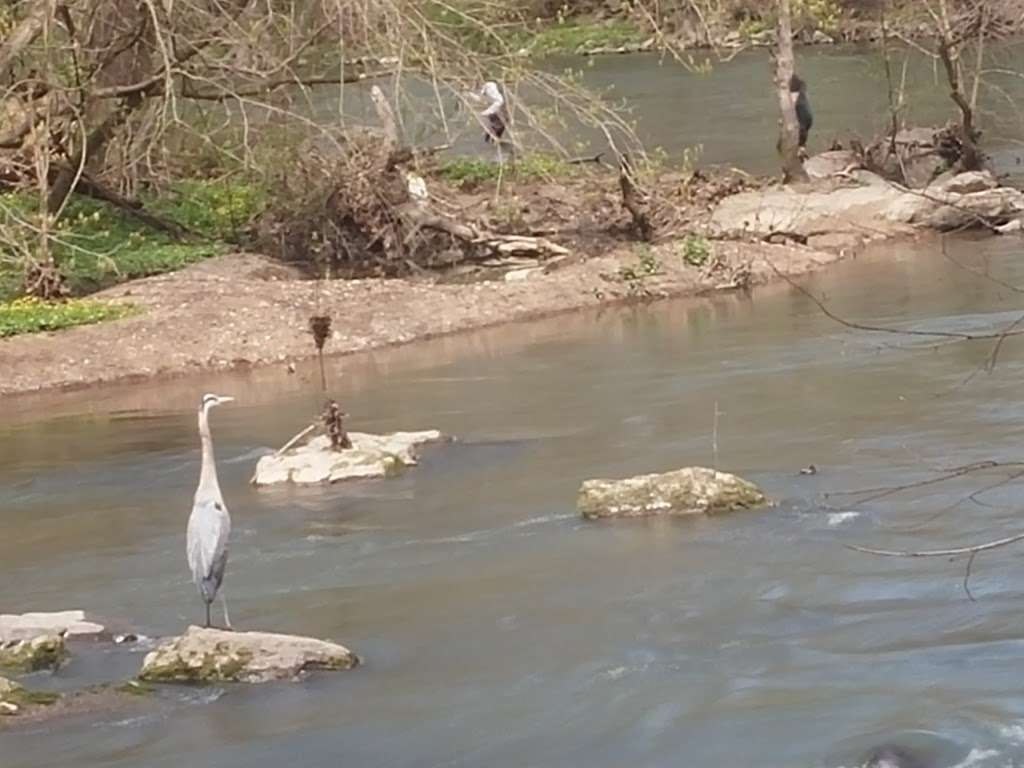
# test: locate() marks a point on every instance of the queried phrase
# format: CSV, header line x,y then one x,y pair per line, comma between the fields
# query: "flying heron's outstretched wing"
x,y
209,527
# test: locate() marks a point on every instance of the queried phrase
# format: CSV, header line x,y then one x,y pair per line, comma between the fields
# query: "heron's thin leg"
x,y
224,602
207,615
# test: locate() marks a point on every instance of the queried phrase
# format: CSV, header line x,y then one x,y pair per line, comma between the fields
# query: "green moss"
x,y
30,315
135,688
219,666
26,698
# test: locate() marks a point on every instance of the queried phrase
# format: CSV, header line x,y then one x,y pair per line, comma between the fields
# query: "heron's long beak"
x,y
226,399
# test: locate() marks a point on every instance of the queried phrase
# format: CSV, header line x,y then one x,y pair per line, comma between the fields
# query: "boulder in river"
x,y
370,456
687,491
40,652
25,626
216,655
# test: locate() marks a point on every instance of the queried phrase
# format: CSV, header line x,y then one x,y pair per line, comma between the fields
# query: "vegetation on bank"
x,y
470,172
95,244
31,315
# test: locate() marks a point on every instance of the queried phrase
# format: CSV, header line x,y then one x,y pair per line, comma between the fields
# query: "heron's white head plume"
x,y
211,400
492,93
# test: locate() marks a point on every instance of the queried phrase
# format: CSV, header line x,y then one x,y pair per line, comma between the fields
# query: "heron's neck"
x,y
208,474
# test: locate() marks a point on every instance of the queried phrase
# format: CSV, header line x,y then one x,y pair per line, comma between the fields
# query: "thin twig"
x,y
939,552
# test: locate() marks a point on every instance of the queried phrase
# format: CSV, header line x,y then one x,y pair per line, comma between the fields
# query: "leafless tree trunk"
x,y
789,139
949,48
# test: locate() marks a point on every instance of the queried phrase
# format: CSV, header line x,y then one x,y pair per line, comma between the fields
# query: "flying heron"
x,y
209,525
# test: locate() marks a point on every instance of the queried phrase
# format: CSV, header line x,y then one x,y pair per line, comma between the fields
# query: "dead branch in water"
x,y
296,438
874,494
939,552
853,325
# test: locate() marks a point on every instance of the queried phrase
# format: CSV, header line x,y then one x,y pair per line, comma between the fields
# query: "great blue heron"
x,y
803,109
495,117
209,525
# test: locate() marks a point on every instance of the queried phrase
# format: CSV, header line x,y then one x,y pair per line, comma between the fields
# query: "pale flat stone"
x,y
370,456
687,491
25,626
216,655
871,208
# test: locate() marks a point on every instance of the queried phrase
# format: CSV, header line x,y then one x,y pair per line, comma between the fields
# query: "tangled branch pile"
x,y
117,98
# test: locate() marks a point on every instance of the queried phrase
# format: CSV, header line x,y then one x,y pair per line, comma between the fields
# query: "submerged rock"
x,y
215,655
687,491
25,626
370,456
16,700
41,652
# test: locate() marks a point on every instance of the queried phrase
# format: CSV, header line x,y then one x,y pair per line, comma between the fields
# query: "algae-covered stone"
x,y
687,491
370,456
16,700
41,652
214,655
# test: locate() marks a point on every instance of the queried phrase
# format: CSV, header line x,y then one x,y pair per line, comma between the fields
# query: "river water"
x,y
728,116
497,628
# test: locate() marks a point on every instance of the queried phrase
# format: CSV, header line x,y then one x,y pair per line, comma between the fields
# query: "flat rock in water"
x,y
25,626
872,207
216,655
370,456
40,652
687,491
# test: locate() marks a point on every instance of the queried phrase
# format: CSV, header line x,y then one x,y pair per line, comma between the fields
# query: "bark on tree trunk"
x,y
23,35
970,159
789,140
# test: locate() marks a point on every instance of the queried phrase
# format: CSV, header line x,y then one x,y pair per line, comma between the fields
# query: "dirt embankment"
x,y
245,310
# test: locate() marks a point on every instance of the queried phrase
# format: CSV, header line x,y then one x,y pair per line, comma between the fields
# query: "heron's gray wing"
x,y
207,541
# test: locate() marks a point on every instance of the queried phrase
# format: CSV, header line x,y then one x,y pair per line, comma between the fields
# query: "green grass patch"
x,y
696,251
219,210
469,172
576,36
31,315
485,28
96,245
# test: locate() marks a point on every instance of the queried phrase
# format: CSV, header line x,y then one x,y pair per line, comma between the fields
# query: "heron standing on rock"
x,y
209,525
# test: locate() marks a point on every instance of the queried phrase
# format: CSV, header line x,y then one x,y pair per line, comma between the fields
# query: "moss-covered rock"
x,y
17,700
214,655
41,652
688,491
